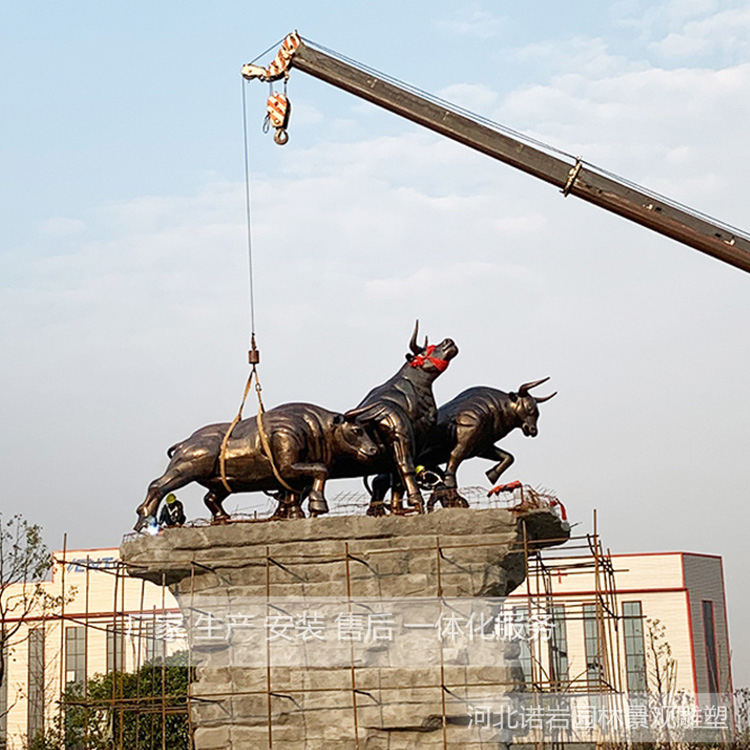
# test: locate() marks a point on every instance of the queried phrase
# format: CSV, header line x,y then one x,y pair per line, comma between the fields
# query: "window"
x,y
75,654
156,645
635,650
115,649
35,704
592,642
709,636
594,665
558,645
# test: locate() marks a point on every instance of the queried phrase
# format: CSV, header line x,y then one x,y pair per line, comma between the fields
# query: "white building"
x,y
670,603
108,622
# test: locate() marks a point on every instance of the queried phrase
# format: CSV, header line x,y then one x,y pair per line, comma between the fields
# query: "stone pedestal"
x,y
347,632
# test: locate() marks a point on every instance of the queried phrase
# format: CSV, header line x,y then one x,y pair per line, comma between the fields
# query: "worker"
x,y
433,480
430,479
172,512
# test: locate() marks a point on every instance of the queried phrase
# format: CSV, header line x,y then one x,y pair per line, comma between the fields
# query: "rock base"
x,y
266,603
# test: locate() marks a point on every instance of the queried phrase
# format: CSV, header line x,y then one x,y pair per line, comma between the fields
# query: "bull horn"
x,y
354,414
413,343
526,387
542,399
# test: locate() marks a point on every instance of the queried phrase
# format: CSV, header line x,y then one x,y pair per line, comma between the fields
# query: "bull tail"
x,y
367,485
172,449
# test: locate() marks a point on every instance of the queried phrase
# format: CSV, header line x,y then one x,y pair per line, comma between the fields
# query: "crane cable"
x,y
254,353
577,162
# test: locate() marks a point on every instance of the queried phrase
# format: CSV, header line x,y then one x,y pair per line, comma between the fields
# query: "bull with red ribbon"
x,y
401,413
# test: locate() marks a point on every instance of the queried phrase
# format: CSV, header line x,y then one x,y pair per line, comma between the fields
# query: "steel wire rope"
x,y
498,127
456,108
248,212
254,355
667,200
265,52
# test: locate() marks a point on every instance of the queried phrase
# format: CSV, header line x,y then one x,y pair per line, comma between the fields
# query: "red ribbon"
x,y
419,360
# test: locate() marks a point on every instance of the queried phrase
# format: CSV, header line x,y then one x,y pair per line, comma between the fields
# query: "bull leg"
x,y
295,506
397,499
380,485
468,432
319,473
397,495
160,487
459,454
191,464
493,453
281,505
403,455
290,506
213,500
317,503
449,496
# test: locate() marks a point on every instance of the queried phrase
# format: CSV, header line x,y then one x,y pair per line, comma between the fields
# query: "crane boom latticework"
x,y
572,177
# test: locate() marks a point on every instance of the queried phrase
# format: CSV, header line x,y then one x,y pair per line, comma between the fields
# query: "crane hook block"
x,y
278,109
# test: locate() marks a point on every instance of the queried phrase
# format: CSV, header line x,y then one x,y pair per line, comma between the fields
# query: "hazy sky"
x,y
124,264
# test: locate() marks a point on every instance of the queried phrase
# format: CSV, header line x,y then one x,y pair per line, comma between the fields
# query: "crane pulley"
x,y
278,107
572,176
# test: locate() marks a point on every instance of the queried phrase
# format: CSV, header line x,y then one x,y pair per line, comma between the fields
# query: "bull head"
x,y
430,358
353,438
525,406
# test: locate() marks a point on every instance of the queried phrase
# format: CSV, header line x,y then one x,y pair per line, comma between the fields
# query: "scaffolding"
x,y
145,709
596,609
134,695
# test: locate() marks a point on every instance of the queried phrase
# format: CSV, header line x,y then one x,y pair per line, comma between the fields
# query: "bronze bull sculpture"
x,y
401,413
467,426
470,424
306,443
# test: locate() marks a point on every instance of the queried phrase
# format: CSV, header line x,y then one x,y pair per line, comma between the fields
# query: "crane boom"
x,y
578,179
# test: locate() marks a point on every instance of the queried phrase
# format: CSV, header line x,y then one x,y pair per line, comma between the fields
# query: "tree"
x,y
666,699
24,564
742,717
662,674
123,710
662,670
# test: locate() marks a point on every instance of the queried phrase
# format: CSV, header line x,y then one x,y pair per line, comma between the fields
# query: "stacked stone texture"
x,y
265,700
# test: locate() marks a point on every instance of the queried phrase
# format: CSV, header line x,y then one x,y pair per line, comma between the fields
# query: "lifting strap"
x,y
261,431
